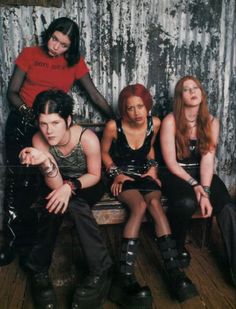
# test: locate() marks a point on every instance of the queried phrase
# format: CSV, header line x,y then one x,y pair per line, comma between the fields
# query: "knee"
x,y
184,208
155,205
139,210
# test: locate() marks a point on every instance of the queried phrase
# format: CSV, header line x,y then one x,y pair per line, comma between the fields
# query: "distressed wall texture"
x,y
154,42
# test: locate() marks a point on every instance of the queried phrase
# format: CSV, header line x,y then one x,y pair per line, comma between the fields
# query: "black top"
x,y
132,159
195,155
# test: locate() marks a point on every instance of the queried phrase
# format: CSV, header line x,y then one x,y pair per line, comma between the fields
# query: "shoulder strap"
x,y
82,132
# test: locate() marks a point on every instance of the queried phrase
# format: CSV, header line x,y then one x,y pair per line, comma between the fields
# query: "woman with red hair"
x,y
132,168
189,138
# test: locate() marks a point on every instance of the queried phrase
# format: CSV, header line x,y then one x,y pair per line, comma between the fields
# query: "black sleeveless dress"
x,y
133,161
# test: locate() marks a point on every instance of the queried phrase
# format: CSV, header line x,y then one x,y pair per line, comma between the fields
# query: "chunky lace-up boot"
x,y
125,289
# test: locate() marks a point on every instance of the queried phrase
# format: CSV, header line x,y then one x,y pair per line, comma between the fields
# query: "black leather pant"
x,y
20,186
92,244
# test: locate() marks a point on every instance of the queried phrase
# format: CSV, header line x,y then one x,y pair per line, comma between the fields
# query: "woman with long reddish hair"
x,y
189,138
132,169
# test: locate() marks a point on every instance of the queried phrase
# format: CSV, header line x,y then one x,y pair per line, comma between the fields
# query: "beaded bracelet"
x,y
51,170
151,163
113,171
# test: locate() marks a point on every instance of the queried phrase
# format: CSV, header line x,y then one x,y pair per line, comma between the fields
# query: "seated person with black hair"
x,y
70,160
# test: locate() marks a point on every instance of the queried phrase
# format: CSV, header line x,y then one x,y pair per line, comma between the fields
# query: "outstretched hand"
x,y
32,156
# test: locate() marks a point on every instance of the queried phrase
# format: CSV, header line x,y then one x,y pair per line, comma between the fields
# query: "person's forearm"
x,y
100,101
206,171
88,180
14,99
87,82
178,170
52,176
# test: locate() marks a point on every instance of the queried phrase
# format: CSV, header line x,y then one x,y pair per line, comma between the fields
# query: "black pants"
x,y
21,184
183,204
91,241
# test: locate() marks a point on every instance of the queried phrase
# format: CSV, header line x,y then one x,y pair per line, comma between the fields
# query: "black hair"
x,y
53,101
70,28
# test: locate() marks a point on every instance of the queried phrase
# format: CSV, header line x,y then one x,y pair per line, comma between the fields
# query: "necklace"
x,y
67,142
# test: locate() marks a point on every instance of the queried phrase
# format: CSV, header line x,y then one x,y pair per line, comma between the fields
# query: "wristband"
x,y
113,171
151,163
193,182
77,184
74,183
207,189
22,107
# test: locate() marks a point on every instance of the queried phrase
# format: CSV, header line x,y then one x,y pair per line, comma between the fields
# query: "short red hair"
x,y
136,90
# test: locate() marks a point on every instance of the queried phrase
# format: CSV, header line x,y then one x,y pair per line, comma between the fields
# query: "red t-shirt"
x,y
44,72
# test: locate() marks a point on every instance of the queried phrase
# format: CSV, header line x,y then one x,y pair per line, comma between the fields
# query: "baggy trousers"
x,y
90,238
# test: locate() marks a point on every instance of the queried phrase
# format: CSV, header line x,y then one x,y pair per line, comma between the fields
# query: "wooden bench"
x,y
110,211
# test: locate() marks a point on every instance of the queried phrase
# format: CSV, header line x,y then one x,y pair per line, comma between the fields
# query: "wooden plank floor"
x,y
206,270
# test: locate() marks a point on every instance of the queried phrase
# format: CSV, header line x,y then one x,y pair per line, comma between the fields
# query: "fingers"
x,y
57,207
116,188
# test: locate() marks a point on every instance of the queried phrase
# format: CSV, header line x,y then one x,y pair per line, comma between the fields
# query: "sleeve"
x,y
23,61
81,69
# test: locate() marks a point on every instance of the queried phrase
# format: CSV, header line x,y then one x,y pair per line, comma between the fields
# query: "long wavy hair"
x,y
136,90
68,27
204,134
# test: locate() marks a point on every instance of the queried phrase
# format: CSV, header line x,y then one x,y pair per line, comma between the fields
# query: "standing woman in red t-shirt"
x,y
56,64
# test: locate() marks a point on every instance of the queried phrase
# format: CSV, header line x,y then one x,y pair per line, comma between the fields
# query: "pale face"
x,y
53,128
58,44
192,94
136,110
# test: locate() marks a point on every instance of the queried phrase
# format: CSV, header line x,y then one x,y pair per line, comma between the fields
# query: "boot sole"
x,y
94,302
186,293
116,295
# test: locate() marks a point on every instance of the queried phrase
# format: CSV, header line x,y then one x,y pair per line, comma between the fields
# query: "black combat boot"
x,y
184,258
42,290
125,289
180,285
93,292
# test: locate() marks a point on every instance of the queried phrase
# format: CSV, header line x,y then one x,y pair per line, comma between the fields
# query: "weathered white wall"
x,y
153,42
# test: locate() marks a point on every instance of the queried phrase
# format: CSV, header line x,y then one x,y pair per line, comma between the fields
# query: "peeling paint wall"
x,y
154,42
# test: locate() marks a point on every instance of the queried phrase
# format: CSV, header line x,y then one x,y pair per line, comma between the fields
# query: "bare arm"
x,y
207,161
109,134
156,127
95,95
91,147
